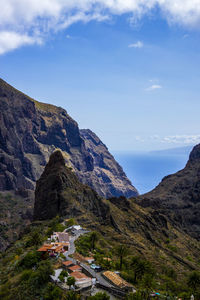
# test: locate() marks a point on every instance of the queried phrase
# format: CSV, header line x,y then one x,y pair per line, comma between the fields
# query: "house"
x,y
67,264
117,281
82,281
74,268
54,248
61,237
74,228
89,260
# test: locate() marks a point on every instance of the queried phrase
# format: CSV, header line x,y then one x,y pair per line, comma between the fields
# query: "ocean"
x,y
146,169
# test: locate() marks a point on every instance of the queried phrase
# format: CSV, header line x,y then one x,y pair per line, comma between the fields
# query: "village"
x,y
73,271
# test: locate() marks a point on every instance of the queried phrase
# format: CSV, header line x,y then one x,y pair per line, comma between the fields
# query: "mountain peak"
x,y
56,158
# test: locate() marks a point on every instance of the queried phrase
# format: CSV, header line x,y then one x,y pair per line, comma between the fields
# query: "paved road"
x,y
72,249
96,275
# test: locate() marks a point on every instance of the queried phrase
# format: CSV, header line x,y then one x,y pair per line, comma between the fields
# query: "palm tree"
x,y
141,267
70,281
93,239
194,280
121,252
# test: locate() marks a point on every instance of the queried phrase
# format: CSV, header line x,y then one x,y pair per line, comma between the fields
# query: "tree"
x,y
135,296
93,239
72,296
140,267
99,296
148,284
62,275
194,281
121,251
29,260
70,281
52,292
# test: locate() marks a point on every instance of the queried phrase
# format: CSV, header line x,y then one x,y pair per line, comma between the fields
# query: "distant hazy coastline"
x,y
146,169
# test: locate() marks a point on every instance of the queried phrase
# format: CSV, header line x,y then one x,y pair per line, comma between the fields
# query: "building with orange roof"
x,y
81,280
89,260
74,268
117,281
53,248
67,263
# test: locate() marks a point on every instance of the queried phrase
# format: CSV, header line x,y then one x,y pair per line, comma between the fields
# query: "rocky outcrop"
x,y
108,174
178,196
59,192
30,131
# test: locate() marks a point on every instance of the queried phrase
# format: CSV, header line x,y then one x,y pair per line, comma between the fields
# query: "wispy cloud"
x,y
178,139
154,87
185,36
138,44
42,18
182,139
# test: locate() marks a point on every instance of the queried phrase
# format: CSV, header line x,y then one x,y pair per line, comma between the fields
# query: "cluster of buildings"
x,y
76,271
57,243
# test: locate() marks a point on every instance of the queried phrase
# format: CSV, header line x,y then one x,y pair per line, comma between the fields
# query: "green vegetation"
x,y
70,222
99,296
121,251
63,275
25,273
70,281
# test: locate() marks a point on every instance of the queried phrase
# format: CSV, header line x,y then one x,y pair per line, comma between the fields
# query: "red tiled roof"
x,y
79,275
45,248
74,268
68,263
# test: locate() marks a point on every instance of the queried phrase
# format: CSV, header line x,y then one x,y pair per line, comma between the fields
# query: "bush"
x,y
99,296
30,260
52,292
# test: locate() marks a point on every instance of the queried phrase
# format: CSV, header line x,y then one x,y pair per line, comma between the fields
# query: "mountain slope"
x,y
119,220
178,196
30,131
59,192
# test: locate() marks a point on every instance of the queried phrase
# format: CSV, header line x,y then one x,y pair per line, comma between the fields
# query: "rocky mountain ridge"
x,y
146,231
30,131
178,196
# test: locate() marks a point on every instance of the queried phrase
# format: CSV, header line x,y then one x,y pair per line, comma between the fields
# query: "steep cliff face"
x,y
30,131
178,196
59,192
107,172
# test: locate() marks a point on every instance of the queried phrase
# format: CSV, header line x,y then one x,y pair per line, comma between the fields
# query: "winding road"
x,y
94,274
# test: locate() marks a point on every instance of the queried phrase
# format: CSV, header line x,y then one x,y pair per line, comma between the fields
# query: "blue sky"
x,y
128,72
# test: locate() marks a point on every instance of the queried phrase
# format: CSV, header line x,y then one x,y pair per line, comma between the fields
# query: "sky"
x,y
127,69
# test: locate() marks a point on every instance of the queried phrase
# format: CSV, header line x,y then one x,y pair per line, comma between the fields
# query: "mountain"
x,y
145,230
59,192
178,196
30,131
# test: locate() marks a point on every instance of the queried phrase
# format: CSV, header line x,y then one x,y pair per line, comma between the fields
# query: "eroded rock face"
x,y
59,192
178,196
108,174
30,131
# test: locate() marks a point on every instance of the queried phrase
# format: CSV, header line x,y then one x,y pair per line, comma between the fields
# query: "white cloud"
x,y
154,87
39,18
185,36
12,40
178,139
182,139
138,44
